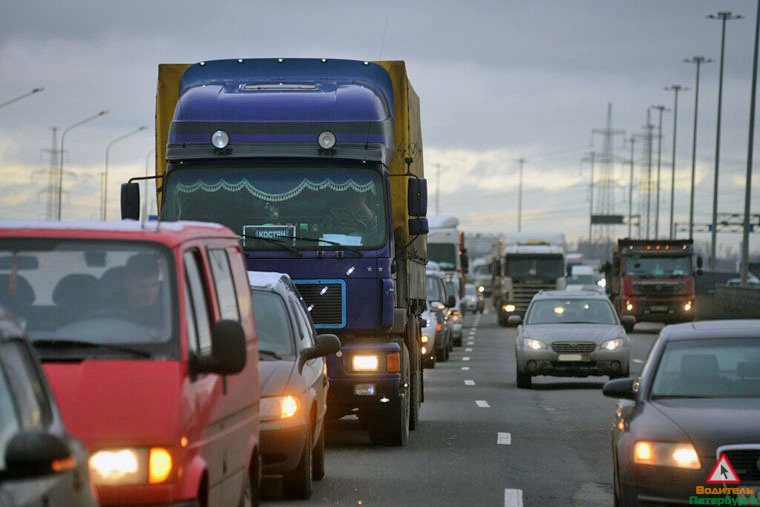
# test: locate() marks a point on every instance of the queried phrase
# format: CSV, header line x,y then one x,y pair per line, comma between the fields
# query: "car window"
x,y
225,288
28,390
192,329
199,300
725,368
273,325
9,420
571,311
304,323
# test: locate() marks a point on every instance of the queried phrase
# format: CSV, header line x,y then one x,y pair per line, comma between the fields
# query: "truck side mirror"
x,y
417,200
37,453
700,262
130,201
418,226
514,320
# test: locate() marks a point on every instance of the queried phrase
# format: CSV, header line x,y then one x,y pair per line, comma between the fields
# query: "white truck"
x,y
446,247
527,264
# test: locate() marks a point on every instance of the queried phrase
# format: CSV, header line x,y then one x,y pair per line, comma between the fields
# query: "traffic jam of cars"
x,y
293,287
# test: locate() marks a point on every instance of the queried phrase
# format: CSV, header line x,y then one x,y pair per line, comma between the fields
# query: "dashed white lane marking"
x,y
468,350
503,438
637,361
470,343
469,382
465,368
482,403
465,359
513,498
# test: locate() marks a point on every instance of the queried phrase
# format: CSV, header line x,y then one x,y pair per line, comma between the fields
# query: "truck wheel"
x,y
298,482
391,426
524,380
415,367
318,459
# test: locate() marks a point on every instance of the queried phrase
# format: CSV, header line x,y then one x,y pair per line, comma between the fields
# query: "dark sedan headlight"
x,y
666,454
612,344
534,344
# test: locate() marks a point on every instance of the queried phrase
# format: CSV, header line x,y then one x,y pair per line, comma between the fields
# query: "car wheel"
x,y
298,481
250,497
318,459
524,380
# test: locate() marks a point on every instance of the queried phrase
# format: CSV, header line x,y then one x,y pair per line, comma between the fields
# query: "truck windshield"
x,y
434,292
286,205
90,298
658,266
545,267
483,269
445,254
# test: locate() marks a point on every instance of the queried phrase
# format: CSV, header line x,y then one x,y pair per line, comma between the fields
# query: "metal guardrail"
x,y
737,302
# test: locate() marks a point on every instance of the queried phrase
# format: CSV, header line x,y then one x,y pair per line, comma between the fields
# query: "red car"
x,y
146,333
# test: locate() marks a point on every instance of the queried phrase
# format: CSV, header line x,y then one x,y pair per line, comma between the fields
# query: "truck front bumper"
x,y
659,310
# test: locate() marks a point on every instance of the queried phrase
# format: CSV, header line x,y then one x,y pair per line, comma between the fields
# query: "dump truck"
x,y
317,164
653,280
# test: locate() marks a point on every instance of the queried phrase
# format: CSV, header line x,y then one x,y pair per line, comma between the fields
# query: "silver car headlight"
x,y
612,344
534,344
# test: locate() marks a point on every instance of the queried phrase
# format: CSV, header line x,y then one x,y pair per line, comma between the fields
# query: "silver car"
x,y
571,334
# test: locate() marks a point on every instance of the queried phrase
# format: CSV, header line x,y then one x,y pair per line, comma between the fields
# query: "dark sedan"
x,y
40,463
294,383
698,397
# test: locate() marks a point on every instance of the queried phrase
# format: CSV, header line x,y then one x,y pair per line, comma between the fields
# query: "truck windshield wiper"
x,y
317,240
276,241
65,343
270,353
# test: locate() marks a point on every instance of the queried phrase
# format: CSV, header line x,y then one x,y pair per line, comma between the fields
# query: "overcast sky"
x,y
498,80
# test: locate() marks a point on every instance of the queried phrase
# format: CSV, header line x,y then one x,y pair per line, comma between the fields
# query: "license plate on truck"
x,y
570,357
658,308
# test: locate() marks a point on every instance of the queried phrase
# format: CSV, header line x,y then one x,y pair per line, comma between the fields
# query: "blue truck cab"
x,y
317,164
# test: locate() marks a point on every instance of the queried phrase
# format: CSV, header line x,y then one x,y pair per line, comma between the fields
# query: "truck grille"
x,y
573,347
523,293
658,288
746,463
324,300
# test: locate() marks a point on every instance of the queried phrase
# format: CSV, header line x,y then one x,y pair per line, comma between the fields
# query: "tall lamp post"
x,y
723,17
698,60
748,183
105,179
661,109
25,95
676,88
521,161
63,141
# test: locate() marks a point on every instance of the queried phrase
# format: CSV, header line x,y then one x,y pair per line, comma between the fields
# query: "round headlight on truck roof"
x,y
220,139
326,140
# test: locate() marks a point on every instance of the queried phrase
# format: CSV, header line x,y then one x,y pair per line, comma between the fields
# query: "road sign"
x,y
607,219
723,472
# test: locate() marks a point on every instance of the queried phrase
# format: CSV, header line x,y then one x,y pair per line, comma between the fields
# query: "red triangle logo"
x,y
723,472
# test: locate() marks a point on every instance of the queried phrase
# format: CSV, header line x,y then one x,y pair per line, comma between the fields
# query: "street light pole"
x,y
748,183
25,95
649,128
519,196
674,88
723,17
698,60
630,189
63,141
661,109
105,179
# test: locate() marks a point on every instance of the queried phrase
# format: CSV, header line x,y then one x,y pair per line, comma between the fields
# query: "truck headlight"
x,y
534,344
481,289
629,306
130,466
425,339
602,283
612,344
364,363
687,307
666,454
509,308
277,407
